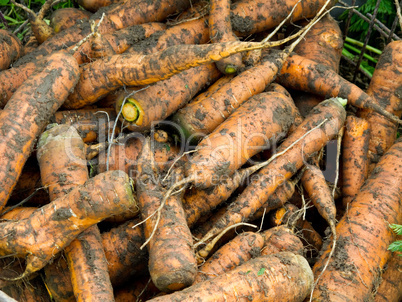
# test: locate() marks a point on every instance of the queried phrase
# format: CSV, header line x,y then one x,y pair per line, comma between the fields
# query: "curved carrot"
x,y
220,30
309,137
143,109
10,49
364,234
385,88
255,280
355,162
237,251
27,113
246,132
303,74
281,239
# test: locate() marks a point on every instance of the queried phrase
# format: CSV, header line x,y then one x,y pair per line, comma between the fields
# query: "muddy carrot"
x,y
363,235
281,239
66,17
390,288
27,113
94,5
10,48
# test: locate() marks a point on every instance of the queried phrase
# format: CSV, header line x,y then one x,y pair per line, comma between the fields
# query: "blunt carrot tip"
x,y
130,111
229,69
342,101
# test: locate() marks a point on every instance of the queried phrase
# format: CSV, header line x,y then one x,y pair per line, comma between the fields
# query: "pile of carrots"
x,y
196,151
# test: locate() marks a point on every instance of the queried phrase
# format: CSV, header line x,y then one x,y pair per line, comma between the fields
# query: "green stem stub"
x,y
130,111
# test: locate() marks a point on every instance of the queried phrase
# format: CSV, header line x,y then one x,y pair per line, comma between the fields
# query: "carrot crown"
x,y
132,112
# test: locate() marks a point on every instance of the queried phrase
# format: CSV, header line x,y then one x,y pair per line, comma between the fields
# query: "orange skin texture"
x,y
251,282
94,5
230,145
10,49
234,253
64,18
28,112
364,235
281,239
284,167
390,288
355,161
386,89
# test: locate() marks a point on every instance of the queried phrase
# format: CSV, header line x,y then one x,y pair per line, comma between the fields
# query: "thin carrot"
x,y
25,291
256,280
385,89
27,113
363,235
10,48
143,109
303,74
310,136
239,250
281,239
355,162
220,30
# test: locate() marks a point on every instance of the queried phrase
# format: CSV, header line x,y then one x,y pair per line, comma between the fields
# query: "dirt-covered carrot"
x,y
17,213
355,162
172,263
140,289
33,290
310,136
120,40
239,250
61,156
10,48
303,74
94,5
363,235
281,239
220,30
27,113
66,17
246,132
280,277
386,89
390,288
143,109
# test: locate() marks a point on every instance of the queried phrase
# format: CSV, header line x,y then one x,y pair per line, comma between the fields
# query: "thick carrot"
x,y
105,75
220,30
355,162
55,225
18,213
256,280
10,48
94,5
143,109
390,288
310,136
121,40
61,156
363,235
172,264
66,17
281,239
245,133
303,74
27,113
385,88
239,250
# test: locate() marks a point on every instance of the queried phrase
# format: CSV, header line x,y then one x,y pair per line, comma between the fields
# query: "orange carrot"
x,y
390,288
256,280
220,30
26,291
27,113
281,239
385,89
94,5
239,250
66,17
143,109
10,48
355,161
363,235
310,136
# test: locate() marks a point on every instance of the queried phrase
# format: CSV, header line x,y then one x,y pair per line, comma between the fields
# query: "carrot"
x,y
30,44
10,48
27,113
66,17
94,5
329,116
386,90
239,250
390,288
355,161
281,239
363,235
26,291
142,110
256,280
172,264
267,115
55,225
220,30
120,40
140,290
17,213
91,124
61,157
303,74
